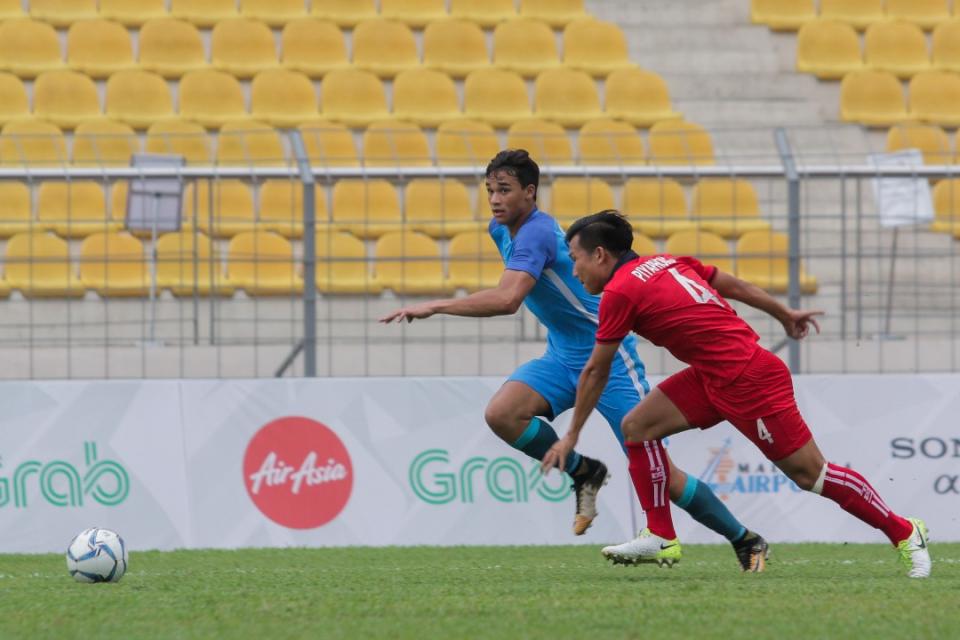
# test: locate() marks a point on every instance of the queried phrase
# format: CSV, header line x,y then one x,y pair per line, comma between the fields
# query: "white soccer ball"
x,y
97,555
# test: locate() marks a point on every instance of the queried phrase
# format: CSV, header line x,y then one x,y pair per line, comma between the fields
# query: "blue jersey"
x,y
558,299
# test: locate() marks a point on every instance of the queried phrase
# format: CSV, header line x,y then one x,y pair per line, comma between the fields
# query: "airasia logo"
x,y
298,472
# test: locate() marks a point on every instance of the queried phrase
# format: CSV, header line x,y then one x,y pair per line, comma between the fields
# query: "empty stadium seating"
x,y
329,144
171,47
473,262
114,265
425,97
656,207
897,47
251,144
74,209
32,143
104,143
828,49
573,198
525,46
275,13
203,13
314,47
439,208
639,97
242,47
408,263
16,215
935,98
283,98
414,13
762,258
99,48
366,208
595,46
707,247
455,47
782,15
466,143
925,13
281,207
557,13
726,207
680,142
567,97
132,13
65,98
28,47
858,13
546,141
262,264
38,265
384,47
945,53
486,13
929,139
232,211
497,97
395,143
63,13
610,142
188,264
211,98
187,139
354,97
141,99
946,207
345,13
873,98
342,265
14,104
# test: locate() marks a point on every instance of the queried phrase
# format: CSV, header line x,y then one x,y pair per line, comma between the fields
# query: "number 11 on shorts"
x,y
762,431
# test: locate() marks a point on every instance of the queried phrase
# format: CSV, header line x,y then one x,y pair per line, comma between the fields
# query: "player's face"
x,y
508,200
589,267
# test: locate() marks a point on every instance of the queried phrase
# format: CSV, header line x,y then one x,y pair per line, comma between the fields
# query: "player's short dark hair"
x,y
607,229
516,163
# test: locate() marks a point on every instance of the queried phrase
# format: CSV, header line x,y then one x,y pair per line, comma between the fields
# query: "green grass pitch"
x,y
808,591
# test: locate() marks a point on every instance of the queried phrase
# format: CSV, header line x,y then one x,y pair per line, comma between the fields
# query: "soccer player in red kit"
x,y
679,303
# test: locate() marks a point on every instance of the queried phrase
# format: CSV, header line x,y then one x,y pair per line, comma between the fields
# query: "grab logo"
x,y
298,472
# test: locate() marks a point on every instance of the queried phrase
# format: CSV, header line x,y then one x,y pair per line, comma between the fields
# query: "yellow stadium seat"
x,y
873,98
366,208
455,47
525,46
283,98
408,263
232,212
639,97
574,198
281,207
99,48
242,47
680,142
345,13
644,245
132,13
935,97
610,142
74,209
474,262
139,98
392,143
439,208
203,13
656,207
13,9
63,13
828,49
274,13
927,14
28,48
15,211
65,98
38,265
33,143
262,264
466,143
946,46
171,47
486,13
211,98
104,143
250,144
556,13
354,97
425,97
384,47
329,144
595,46
547,142
187,139
782,15
707,247
858,13
14,104
897,47
567,97
414,13
946,207
762,259
314,47
726,207
930,139
188,264
342,265
496,96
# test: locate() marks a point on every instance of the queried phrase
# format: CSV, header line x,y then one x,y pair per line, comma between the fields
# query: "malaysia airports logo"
x,y
436,480
727,476
298,472
63,484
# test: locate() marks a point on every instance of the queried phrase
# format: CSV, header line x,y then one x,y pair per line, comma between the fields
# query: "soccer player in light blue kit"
x,y
538,271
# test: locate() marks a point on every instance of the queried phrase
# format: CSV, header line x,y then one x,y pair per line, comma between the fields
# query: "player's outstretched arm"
x,y
796,323
503,300
590,386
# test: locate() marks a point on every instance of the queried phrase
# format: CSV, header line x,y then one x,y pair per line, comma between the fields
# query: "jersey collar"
x,y
628,256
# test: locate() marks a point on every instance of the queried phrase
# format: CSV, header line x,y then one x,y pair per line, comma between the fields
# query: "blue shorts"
x,y
557,383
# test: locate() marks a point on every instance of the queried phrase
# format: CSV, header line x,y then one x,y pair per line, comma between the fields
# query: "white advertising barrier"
x,y
405,461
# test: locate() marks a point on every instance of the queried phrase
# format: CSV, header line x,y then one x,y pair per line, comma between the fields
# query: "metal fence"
x,y
259,282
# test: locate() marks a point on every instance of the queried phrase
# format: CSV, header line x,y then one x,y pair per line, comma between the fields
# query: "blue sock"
x,y
537,439
705,507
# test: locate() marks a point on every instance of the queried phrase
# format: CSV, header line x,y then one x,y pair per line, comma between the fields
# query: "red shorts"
x,y
759,403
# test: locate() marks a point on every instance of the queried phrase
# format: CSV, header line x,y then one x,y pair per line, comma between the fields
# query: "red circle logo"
x,y
298,472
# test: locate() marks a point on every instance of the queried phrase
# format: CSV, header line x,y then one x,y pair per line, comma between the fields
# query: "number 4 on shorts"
x,y
762,431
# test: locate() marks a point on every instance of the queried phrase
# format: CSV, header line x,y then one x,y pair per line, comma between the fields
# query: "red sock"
x,y
854,494
651,477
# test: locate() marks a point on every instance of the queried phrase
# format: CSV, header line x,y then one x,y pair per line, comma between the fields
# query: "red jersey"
x,y
669,301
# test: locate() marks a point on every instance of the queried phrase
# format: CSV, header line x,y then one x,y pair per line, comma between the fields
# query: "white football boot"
x,y
646,548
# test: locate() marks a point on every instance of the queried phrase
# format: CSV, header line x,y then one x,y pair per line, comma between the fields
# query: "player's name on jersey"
x,y
648,268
